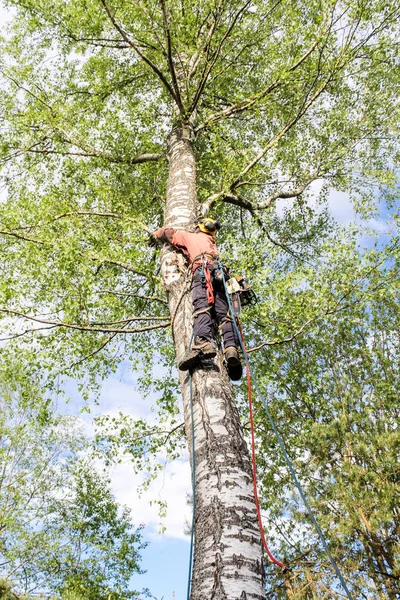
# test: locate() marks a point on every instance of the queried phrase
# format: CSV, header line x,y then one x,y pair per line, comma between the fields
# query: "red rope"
x,y
253,460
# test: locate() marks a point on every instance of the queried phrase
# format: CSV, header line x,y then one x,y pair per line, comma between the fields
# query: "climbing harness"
x,y
203,270
285,454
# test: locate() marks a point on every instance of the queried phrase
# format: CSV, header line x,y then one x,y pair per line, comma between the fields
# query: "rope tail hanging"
x,y
272,559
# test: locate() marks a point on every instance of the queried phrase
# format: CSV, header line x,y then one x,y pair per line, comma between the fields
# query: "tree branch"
x,y
130,295
208,69
87,327
284,340
143,56
135,160
250,101
118,263
22,237
172,71
273,141
104,214
196,58
242,202
282,194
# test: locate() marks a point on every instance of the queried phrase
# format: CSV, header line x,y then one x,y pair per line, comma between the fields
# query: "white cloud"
x,y
340,207
172,487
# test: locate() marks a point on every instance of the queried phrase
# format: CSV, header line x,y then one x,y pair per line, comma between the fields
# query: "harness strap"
x,y
227,319
203,258
201,311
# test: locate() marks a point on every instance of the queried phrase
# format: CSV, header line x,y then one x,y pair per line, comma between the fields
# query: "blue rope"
x,y
282,447
193,482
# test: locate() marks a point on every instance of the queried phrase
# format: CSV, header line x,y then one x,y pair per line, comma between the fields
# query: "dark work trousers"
x,y
203,322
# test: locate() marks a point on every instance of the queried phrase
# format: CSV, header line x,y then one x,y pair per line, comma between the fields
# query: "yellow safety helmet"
x,y
208,225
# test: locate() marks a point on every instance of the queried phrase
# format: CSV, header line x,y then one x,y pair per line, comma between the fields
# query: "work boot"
x,y
201,348
233,363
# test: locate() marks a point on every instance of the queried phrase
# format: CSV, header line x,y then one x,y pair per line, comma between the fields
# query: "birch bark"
x,y
228,560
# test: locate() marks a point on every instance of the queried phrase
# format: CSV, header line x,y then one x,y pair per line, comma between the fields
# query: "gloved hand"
x,y
155,237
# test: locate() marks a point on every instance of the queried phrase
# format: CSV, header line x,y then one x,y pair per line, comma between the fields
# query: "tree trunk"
x,y
228,561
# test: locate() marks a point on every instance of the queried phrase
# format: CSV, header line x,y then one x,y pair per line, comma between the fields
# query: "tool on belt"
x,y
210,269
240,292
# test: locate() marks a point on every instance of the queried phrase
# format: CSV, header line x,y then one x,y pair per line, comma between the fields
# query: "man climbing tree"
x,y
208,294
124,113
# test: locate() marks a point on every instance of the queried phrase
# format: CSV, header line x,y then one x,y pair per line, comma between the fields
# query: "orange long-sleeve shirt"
x,y
191,244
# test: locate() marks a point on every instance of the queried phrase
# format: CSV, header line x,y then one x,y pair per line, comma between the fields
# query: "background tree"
x,y
332,392
261,100
61,529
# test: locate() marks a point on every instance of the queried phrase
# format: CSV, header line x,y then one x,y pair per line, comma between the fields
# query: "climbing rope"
x,y
282,446
272,559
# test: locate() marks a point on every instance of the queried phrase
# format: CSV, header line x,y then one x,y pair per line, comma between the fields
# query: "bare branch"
x,y
282,194
172,71
242,202
22,237
85,327
143,56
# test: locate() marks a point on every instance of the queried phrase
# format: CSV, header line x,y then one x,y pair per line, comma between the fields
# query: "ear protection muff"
x,y
208,225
